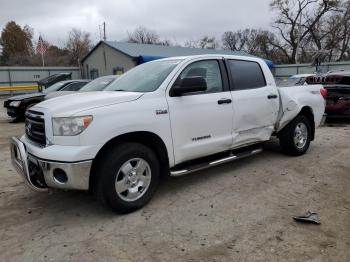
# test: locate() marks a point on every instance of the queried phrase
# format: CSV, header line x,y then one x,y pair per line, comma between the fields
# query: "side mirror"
x,y
190,85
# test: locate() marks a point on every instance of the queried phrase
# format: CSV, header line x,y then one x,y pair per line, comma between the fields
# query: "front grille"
x,y
35,127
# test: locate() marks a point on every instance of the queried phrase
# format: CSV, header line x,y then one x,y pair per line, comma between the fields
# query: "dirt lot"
x,y
240,211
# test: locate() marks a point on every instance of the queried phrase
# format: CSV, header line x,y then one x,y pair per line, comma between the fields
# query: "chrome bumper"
x,y
39,174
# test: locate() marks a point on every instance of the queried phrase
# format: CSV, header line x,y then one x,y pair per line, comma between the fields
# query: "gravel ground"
x,y
240,211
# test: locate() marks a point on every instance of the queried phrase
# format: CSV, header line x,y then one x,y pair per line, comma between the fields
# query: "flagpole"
x,y
42,58
41,49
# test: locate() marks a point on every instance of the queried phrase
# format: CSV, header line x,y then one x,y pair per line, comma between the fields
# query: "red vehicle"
x,y
337,84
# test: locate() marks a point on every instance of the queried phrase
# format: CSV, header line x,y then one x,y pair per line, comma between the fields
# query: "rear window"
x,y
73,86
246,74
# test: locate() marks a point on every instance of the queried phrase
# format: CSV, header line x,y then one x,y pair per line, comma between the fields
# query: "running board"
x,y
208,164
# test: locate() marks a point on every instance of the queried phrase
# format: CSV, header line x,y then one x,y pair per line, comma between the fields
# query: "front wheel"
x,y
295,138
128,177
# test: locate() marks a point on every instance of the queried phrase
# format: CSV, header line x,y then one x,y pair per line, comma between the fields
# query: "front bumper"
x,y
40,174
15,111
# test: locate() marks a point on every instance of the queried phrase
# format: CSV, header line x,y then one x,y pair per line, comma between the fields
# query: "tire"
x,y
295,138
128,176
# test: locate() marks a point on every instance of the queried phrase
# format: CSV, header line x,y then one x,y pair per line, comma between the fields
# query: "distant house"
x,y
109,57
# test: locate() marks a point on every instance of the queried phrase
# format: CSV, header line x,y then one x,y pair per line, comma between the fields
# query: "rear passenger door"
x,y
255,104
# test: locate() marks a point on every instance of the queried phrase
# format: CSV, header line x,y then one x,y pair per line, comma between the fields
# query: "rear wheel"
x,y
128,176
295,138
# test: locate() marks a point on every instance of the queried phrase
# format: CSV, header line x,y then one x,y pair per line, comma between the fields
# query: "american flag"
x,y
41,46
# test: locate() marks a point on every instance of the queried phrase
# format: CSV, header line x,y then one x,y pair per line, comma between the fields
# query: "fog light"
x,y
60,176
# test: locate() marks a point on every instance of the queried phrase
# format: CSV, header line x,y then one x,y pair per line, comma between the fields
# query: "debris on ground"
x,y
33,208
309,217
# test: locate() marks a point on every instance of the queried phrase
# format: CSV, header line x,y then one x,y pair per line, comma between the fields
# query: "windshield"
x,y
144,78
98,84
54,87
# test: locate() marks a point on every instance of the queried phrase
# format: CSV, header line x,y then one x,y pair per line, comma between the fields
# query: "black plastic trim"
x,y
55,161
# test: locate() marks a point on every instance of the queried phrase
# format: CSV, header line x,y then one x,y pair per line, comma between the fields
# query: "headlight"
x,y
70,126
15,103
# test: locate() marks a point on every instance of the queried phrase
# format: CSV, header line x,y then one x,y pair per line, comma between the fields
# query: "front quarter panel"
x,y
139,115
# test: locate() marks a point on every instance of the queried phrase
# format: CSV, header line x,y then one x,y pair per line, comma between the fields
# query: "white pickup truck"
x,y
170,116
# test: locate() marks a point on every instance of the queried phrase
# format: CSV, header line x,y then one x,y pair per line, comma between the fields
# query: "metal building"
x,y
30,75
109,57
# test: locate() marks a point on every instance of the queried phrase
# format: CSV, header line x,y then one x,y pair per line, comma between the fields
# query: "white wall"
x,y
105,59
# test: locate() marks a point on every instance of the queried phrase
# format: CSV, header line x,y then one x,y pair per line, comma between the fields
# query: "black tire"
x,y
109,170
287,135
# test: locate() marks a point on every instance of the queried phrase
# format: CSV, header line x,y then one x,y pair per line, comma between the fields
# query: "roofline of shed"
x,y
100,43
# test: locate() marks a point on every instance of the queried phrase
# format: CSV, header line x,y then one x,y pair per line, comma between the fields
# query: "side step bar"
x,y
206,164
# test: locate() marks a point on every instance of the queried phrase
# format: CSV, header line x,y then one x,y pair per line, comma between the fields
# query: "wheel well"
x,y
308,113
148,139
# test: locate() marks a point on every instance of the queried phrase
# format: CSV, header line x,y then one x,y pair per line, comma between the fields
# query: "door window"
x,y
246,74
209,70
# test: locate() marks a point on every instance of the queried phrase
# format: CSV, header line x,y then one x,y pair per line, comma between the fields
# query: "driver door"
x,y
201,122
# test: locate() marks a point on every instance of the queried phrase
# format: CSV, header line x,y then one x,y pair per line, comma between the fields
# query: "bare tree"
x,y
234,41
142,35
253,41
206,42
344,28
295,20
192,43
78,45
329,37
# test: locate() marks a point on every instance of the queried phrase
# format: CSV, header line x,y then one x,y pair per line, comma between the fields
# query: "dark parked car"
x,y
337,84
17,105
97,84
49,81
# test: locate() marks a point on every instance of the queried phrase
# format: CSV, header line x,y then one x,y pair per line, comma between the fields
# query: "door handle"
x,y
224,101
272,96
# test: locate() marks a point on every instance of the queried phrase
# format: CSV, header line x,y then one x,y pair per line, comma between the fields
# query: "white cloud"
x,y
177,20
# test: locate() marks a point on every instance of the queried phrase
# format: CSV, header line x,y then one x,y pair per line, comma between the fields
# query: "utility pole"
x,y
99,30
104,31
299,38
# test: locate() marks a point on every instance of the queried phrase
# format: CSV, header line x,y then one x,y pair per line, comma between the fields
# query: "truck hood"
x,y
71,104
58,93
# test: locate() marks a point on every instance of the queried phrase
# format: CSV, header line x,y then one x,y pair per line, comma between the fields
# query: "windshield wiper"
x,y
122,90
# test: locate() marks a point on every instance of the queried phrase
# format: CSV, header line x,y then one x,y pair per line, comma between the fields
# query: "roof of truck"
x,y
148,52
